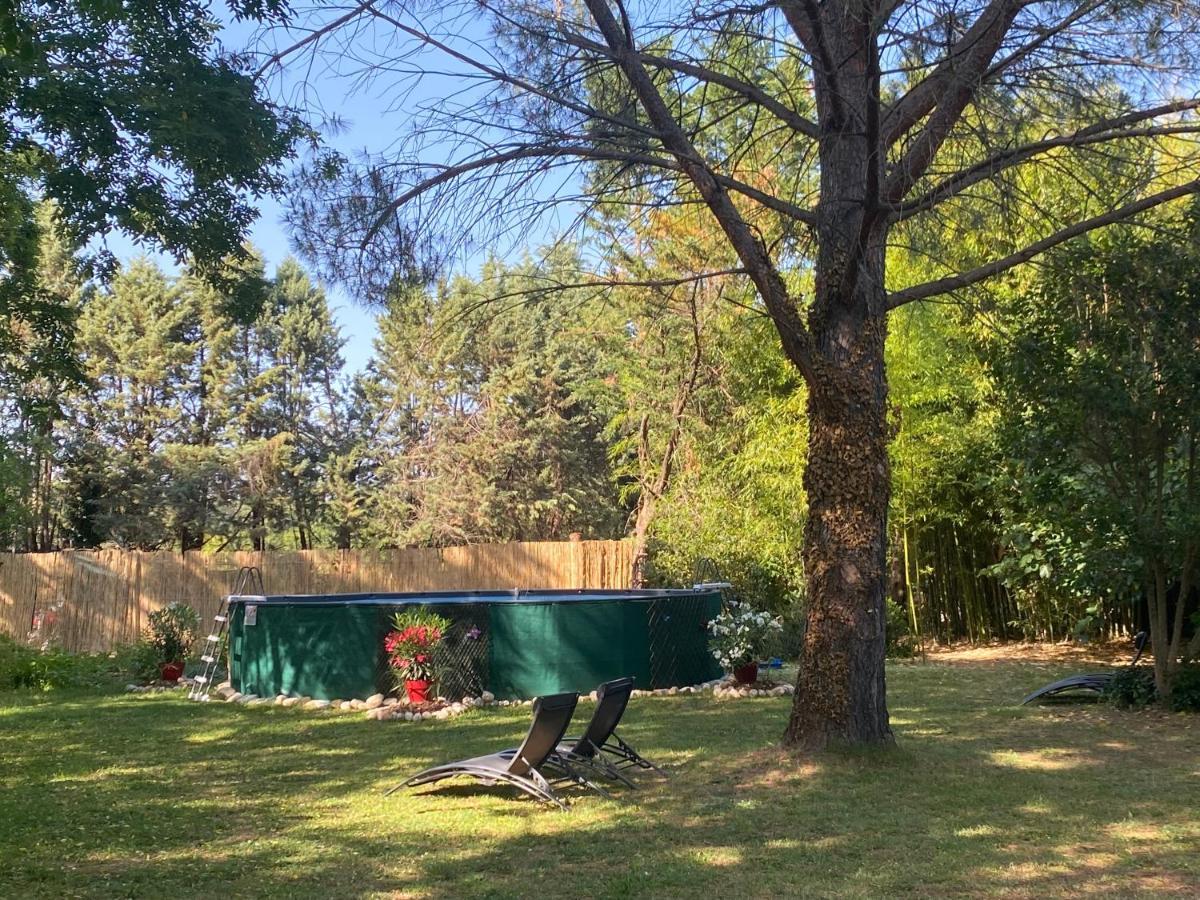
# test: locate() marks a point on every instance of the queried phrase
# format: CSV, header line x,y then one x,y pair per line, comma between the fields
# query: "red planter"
x,y
170,672
418,691
747,674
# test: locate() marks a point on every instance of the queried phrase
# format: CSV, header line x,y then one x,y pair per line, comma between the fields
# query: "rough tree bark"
x,y
840,695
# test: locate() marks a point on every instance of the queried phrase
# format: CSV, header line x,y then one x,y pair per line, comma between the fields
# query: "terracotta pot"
x,y
418,690
171,671
747,674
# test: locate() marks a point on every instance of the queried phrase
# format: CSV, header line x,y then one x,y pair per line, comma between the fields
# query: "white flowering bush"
x,y
741,635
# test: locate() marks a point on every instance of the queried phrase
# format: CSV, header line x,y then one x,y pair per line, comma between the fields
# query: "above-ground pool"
x,y
516,644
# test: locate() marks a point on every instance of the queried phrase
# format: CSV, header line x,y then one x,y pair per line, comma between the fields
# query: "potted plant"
x,y
410,647
171,633
739,637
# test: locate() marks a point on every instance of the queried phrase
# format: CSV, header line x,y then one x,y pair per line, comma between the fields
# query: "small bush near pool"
x,y
22,666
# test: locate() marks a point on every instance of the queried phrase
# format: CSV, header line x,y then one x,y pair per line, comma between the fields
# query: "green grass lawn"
x,y
115,795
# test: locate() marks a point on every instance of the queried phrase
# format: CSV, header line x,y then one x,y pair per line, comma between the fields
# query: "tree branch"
x,y
1043,37
751,92
499,75
316,34
1100,132
945,94
808,27
965,279
580,151
797,342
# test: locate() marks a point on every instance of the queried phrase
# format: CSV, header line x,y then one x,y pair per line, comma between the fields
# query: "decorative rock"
x,y
279,698
374,701
130,688
290,701
234,697
408,716
225,692
391,701
673,690
225,685
379,713
487,697
246,698
357,704
317,704
258,701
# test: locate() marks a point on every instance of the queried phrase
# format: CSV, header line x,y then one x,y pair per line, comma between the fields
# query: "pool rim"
x,y
431,598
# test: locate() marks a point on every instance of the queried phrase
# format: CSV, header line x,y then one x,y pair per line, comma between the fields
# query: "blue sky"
x,y
359,129
270,236
369,118
356,322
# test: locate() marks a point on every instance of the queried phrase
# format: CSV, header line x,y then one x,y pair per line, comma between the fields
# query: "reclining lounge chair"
x,y
600,747
1094,682
519,767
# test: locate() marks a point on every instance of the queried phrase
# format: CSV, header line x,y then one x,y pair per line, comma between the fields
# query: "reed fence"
x,y
94,600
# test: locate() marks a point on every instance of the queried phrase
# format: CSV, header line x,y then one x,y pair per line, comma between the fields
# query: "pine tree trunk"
x,y
840,692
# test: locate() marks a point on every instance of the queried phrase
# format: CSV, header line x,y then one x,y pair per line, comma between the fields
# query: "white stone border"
x,y
380,708
731,690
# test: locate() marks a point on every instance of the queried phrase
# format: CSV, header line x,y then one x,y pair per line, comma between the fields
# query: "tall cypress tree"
x,y
136,355
306,397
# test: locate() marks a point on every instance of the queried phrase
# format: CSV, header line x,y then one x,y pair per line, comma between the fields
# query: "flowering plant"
x,y
741,635
411,644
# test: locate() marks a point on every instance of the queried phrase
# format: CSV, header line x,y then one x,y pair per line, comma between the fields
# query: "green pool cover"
x,y
515,644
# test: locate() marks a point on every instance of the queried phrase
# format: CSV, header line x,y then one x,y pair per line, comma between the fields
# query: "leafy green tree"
x,y
1100,387
38,369
307,399
346,486
944,517
127,116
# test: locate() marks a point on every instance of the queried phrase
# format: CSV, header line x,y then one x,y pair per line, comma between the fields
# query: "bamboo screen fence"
x,y
94,600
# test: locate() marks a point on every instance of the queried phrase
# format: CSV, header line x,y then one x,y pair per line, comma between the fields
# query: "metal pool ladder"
x,y
249,578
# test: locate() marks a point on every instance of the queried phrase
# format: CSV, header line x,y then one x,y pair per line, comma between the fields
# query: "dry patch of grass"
x,y
1099,653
